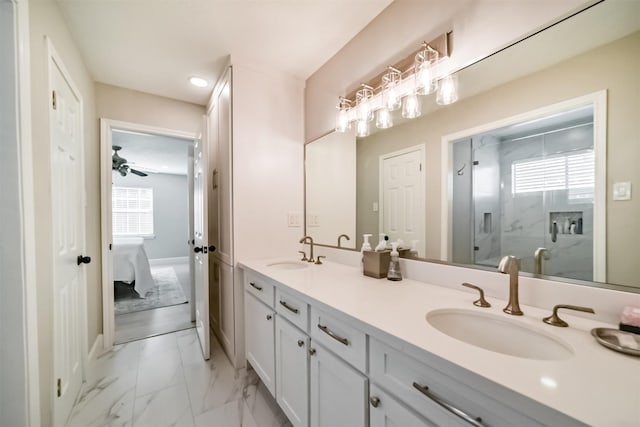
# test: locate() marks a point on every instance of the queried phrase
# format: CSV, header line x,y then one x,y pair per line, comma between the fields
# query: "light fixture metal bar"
x,y
442,44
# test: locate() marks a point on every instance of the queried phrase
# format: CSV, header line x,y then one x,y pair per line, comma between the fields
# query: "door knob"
x,y
212,248
83,259
197,249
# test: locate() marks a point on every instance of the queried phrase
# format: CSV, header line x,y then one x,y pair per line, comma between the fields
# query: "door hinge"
x,y
476,248
476,163
110,246
420,167
54,101
59,387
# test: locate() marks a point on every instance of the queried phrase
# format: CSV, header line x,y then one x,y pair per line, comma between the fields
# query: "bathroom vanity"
x,y
337,348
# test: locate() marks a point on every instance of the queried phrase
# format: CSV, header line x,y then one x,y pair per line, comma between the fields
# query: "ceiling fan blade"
x,y
137,172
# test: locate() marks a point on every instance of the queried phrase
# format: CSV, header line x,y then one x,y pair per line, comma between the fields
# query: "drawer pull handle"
x,y
255,286
288,307
333,334
375,401
477,422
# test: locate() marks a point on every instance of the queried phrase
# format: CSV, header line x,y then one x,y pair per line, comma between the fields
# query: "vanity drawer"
x,y
259,287
345,341
401,374
293,309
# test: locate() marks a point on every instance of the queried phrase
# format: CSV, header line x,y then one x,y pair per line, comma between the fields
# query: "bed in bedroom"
x,y
130,263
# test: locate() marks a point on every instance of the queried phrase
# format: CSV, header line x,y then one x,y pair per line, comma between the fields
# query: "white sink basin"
x,y
499,334
289,265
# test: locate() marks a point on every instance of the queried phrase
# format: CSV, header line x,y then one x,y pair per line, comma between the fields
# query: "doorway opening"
x,y
149,220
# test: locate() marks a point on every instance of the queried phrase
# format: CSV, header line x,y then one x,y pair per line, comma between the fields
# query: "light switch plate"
x,y
293,219
375,206
622,191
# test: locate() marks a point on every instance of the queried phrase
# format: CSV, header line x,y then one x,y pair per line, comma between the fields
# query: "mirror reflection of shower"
x,y
530,186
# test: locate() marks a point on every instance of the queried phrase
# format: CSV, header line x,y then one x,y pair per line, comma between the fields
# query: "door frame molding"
x,y
26,307
599,102
107,126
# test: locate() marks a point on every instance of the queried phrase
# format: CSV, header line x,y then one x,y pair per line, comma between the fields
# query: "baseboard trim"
x,y
174,260
97,348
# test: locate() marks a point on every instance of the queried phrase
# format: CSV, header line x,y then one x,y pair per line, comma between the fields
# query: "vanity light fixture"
x,y
411,107
343,123
362,128
390,95
198,81
424,73
448,90
363,103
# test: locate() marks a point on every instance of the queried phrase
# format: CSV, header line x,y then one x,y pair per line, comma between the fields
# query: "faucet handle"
x,y
318,259
554,320
481,302
304,255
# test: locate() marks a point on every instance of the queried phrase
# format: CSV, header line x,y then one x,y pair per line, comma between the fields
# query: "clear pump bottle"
x,y
394,272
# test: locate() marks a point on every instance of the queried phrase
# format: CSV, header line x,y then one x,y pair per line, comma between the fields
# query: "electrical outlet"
x,y
293,219
375,206
622,191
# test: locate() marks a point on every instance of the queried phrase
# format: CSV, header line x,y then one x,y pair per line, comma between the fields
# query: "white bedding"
x,y
130,263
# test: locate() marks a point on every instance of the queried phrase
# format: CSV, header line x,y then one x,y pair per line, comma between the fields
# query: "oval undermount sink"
x,y
494,333
289,265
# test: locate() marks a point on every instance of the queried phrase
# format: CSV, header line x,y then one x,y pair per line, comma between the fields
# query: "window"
x,y
132,210
574,172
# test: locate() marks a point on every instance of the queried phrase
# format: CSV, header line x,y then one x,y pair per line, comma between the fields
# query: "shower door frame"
x,y
599,102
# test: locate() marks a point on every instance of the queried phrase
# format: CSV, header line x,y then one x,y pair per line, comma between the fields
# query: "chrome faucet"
x,y
509,265
310,239
539,255
340,237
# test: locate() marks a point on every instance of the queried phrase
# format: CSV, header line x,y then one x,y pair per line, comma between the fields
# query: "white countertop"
x,y
596,385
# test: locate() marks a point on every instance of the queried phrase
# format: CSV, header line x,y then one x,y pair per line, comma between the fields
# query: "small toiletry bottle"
x,y
414,248
366,246
382,243
394,266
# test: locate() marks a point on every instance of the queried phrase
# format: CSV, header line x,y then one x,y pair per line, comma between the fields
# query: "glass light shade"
x,y
426,62
342,121
412,107
363,103
448,90
390,95
362,128
383,118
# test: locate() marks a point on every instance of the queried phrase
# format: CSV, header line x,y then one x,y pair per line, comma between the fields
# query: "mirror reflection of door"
x,y
402,213
528,186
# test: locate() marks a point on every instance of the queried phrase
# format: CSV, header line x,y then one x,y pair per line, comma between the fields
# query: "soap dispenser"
x,y
366,246
382,243
394,266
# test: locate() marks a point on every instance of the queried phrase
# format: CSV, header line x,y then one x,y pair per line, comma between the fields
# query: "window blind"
x,y
132,211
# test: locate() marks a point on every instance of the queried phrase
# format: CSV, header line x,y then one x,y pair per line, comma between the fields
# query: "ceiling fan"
x,y
120,163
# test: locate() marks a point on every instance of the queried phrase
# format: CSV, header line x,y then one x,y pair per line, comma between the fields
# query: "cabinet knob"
x,y
312,351
375,401
269,317
300,343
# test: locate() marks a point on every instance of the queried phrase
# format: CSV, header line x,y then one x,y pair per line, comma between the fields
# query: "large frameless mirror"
x,y
535,158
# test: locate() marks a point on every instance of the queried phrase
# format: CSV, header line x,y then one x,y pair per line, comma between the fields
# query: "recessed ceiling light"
x,y
199,82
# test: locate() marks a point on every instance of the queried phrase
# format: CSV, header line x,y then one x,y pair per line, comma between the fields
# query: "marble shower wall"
x,y
526,217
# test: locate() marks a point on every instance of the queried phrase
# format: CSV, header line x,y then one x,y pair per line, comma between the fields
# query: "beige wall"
x,y
117,103
613,67
480,27
46,20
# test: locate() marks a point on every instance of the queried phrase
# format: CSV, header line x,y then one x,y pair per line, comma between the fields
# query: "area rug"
x,y
166,291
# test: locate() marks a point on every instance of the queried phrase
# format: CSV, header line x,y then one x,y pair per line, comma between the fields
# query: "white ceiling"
x,y
154,46
153,153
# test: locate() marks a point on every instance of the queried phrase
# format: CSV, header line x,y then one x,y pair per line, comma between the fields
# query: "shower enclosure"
x,y
524,189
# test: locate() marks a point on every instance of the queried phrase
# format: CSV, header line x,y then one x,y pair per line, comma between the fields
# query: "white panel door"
x,y
402,196
259,339
338,392
292,372
68,241
224,173
200,246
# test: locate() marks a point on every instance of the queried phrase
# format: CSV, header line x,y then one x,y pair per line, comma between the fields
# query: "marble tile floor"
x,y
163,381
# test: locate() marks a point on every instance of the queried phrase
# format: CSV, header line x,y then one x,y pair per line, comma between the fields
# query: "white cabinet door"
x,y
227,309
292,372
259,339
224,172
385,411
338,392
